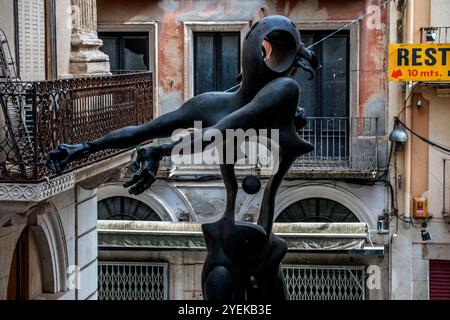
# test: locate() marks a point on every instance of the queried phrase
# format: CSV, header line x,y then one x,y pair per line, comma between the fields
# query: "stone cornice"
x,y
36,192
91,176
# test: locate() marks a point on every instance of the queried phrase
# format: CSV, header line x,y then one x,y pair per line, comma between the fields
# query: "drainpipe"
x,y
408,120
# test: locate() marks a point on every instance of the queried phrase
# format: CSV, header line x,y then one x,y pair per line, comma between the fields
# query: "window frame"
x,y
123,201
217,46
120,41
353,55
152,28
319,83
205,26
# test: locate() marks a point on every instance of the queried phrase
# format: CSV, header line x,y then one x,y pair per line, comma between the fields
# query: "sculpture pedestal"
x,y
243,263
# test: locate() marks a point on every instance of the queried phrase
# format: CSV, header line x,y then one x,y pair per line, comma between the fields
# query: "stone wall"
x,y
65,248
185,268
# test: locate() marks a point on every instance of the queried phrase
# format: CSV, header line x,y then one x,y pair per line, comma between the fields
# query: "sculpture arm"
x,y
128,137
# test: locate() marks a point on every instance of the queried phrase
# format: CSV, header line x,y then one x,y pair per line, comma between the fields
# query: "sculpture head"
x,y
273,49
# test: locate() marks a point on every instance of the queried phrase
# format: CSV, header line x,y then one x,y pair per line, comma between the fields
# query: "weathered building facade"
x,y
194,46
332,209
48,223
420,266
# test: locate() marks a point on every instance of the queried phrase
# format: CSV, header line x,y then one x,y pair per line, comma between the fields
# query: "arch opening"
x,y
319,210
124,208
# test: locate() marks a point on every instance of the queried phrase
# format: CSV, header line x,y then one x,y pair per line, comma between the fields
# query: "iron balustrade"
x,y
435,35
37,117
340,144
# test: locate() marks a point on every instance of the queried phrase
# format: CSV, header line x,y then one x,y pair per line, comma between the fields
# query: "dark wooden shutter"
x,y
216,61
439,279
31,23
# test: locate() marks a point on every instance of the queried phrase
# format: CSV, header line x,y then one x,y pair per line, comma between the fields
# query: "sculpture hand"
x,y
58,159
145,169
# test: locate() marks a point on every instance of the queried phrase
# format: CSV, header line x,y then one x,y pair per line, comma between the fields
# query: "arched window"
x,y
316,210
123,208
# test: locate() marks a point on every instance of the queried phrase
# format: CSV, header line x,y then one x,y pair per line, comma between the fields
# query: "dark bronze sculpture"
x,y
243,260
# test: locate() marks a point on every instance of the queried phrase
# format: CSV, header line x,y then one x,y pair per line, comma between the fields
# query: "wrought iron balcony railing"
x,y
435,35
341,144
38,116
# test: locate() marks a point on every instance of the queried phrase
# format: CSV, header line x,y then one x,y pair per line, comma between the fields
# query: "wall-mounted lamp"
x,y
398,136
431,35
419,103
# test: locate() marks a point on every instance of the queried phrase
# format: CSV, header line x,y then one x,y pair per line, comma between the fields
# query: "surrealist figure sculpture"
x,y
243,260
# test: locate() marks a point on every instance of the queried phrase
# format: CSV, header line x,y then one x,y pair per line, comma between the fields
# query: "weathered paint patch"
x,y
301,11
170,15
170,100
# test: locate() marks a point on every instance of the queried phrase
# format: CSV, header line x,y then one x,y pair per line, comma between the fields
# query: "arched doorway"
x,y
123,208
316,210
25,277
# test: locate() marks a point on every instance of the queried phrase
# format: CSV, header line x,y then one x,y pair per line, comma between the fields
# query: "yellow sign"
x,y
419,62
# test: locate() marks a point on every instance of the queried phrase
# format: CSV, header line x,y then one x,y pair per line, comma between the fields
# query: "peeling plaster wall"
x,y
171,14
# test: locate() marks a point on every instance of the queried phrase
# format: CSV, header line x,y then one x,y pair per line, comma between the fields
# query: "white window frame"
x,y
204,26
152,28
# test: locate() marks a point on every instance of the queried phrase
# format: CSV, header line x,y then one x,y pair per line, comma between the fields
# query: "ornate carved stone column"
x,y
86,57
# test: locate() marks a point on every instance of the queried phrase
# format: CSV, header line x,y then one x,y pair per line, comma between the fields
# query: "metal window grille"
x,y
325,282
340,143
438,35
132,281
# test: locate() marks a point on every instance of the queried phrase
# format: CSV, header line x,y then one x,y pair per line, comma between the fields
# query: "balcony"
x,y
344,147
435,35
36,117
432,35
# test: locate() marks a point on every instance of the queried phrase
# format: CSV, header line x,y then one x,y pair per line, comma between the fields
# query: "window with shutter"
x,y
31,29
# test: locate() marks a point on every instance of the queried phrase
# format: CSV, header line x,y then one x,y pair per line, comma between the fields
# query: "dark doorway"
x,y
326,99
126,50
123,208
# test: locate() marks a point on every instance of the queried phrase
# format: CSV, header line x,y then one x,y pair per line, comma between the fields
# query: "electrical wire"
x,y
415,85
348,25
435,145
331,34
431,172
